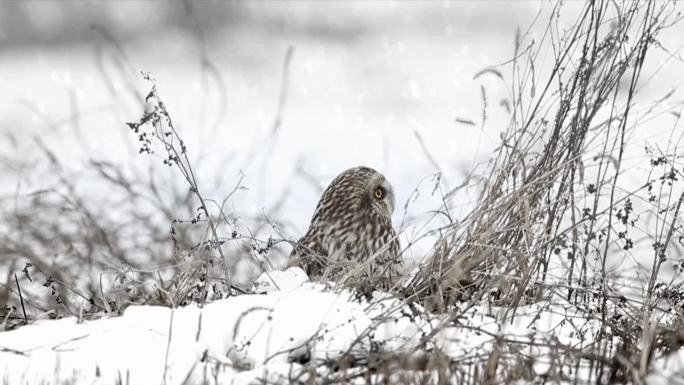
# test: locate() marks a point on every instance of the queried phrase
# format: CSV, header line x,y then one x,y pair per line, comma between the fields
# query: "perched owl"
x,y
351,234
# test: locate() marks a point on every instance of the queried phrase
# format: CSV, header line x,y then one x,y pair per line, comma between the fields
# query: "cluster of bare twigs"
x,y
554,212
147,239
82,252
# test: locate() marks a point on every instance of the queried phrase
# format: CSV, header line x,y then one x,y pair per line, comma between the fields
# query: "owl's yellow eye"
x,y
379,193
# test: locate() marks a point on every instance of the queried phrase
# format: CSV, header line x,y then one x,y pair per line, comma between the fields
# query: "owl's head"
x,y
357,192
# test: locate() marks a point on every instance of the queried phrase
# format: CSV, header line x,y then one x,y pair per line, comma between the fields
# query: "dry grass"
x,y
550,200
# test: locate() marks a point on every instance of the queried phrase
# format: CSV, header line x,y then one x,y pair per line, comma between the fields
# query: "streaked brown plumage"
x,y
351,234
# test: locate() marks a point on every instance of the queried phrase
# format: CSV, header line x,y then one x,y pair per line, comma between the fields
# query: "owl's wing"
x,y
309,255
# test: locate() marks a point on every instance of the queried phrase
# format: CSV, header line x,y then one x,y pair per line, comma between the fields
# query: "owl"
x,y
351,237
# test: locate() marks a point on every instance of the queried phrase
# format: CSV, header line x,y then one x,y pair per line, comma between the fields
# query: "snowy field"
x,y
273,100
269,336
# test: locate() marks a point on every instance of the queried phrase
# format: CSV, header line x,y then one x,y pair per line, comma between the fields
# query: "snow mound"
x,y
235,339
287,280
271,337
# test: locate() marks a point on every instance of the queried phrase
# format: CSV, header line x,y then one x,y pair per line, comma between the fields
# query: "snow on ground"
x,y
668,370
249,337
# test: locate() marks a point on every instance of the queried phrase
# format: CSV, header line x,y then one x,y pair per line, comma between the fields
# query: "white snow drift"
x,y
262,336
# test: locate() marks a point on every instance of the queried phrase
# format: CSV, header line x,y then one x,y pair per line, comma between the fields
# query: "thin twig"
x,y
21,298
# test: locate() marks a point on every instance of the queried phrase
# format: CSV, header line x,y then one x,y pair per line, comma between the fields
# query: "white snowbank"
x,y
245,338
668,370
151,344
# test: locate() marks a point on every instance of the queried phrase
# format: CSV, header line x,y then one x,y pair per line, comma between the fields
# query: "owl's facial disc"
x,y
389,196
382,196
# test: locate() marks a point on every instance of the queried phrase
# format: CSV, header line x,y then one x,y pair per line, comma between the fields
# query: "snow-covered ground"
x,y
271,337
